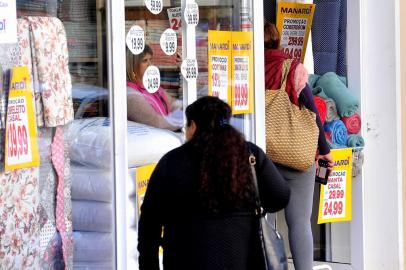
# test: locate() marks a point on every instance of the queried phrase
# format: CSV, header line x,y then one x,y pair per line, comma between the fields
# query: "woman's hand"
x,y
329,158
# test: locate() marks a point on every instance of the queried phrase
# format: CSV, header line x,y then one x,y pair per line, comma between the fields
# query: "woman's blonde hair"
x,y
133,62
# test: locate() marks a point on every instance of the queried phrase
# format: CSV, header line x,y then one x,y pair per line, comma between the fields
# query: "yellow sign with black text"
x,y
142,176
336,195
294,22
21,128
231,69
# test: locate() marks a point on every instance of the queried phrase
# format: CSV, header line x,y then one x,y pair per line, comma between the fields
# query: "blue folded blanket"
x,y
318,91
313,79
347,104
355,141
337,131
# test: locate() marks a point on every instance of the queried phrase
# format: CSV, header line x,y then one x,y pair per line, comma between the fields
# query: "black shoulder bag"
x,y
272,243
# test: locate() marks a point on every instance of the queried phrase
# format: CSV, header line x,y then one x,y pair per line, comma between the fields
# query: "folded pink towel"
x,y
352,123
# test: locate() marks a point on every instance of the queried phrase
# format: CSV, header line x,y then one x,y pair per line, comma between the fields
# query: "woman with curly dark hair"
x,y
200,202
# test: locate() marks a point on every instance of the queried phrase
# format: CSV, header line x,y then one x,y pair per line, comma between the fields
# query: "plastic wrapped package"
x,y
90,142
91,184
93,247
92,216
93,265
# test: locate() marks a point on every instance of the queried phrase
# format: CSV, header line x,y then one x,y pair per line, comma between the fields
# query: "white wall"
x,y
380,92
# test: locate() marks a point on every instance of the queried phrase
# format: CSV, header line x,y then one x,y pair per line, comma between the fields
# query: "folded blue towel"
x,y
347,104
338,132
355,140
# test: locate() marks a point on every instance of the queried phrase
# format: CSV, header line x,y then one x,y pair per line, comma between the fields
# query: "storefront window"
x,y
61,213
173,58
326,61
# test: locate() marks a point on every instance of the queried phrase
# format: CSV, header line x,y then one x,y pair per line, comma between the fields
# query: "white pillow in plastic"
x,y
92,247
92,216
91,183
94,265
90,142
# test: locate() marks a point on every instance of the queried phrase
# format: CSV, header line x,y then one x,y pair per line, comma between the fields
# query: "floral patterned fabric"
x,y
28,235
51,76
19,222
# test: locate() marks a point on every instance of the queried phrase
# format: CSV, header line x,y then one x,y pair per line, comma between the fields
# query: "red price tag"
x,y
18,141
333,208
294,53
241,94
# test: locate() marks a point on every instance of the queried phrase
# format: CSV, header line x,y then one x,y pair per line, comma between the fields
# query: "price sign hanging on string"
x,y
21,129
294,27
175,18
335,196
151,79
155,6
168,42
189,69
135,39
192,14
242,73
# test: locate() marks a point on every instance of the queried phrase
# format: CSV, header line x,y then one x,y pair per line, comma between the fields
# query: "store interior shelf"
x,y
83,59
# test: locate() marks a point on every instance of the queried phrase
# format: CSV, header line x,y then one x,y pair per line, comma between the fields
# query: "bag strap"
x,y
260,212
285,71
252,160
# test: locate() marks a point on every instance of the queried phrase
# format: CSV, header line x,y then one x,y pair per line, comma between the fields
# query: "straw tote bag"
x,y
291,131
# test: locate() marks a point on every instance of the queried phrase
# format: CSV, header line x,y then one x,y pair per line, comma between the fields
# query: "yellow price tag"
x,y
21,129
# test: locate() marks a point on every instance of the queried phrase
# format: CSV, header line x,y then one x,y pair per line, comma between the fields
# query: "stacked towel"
x,y
337,132
321,108
352,123
355,141
334,88
331,110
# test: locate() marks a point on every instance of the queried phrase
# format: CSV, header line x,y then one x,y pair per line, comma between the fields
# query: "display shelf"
x,y
83,59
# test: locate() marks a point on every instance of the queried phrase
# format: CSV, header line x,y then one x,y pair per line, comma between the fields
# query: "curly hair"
x,y
224,173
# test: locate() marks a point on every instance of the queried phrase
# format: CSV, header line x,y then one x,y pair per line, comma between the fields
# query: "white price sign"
x,y
19,150
219,80
155,6
192,14
189,69
135,39
169,42
293,36
334,195
151,79
175,18
241,82
8,21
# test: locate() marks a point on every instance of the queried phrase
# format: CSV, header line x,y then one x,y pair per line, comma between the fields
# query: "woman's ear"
x,y
190,130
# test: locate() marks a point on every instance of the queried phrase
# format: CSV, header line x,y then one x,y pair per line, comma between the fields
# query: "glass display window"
x,y
65,206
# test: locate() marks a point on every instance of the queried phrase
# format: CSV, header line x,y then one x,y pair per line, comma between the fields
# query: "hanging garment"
x,y
50,64
28,235
63,224
329,36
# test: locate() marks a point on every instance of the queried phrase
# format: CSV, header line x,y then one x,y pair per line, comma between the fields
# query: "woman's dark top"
x,y
306,98
193,239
